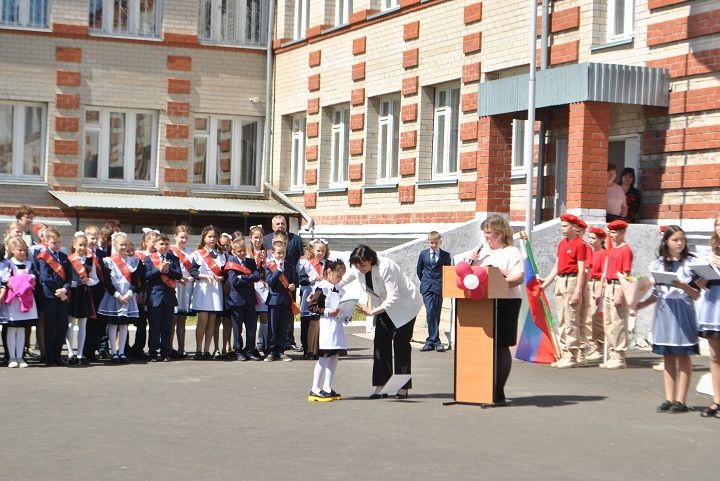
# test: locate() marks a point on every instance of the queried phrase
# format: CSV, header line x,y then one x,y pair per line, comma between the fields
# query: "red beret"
x,y
617,225
598,232
569,218
581,223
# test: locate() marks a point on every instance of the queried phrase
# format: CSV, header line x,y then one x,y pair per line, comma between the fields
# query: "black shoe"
x,y
711,411
322,397
154,358
207,356
124,359
293,347
198,356
166,359
241,357
664,407
440,348
678,407
334,395
402,395
64,362
73,360
377,396
115,359
271,357
284,357
253,356
103,354
91,358
427,348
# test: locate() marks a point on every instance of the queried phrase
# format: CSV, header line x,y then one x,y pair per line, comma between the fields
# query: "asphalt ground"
x,y
214,420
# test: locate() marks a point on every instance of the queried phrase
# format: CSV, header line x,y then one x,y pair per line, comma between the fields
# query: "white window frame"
x,y
302,19
343,10
391,120
297,152
18,141
340,140
210,181
240,32
631,155
519,127
628,21
24,10
442,167
103,161
133,19
389,4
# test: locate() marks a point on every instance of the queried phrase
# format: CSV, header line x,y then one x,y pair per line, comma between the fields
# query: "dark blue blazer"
x,y
278,296
294,249
157,291
431,277
49,280
242,289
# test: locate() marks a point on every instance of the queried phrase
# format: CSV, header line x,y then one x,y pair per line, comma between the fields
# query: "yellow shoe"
x,y
321,397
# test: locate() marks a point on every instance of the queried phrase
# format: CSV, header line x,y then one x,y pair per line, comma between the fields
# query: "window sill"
x,y
436,182
518,174
614,43
226,190
210,43
381,186
384,12
333,190
23,181
124,36
295,191
108,185
20,27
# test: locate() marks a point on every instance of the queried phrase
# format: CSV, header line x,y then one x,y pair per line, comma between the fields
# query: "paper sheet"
x,y
347,307
395,383
706,271
665,278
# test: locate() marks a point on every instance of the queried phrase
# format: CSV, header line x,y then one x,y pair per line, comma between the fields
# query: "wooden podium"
x,y
475,338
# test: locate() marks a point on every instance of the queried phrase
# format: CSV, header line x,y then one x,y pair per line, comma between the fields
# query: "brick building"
x,y
388,116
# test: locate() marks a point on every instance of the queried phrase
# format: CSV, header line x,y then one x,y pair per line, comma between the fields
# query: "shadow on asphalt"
x,y
409,399
555,400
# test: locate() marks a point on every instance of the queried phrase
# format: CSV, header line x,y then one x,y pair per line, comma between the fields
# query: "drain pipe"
x,y
543,122
305,215
267,158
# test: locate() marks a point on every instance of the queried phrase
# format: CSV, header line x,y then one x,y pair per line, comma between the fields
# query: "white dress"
x,y
184,291
332,332
110,307
11,313
206,296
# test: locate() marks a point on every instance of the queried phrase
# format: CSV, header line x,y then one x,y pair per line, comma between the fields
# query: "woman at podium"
x,y
395,302
499,251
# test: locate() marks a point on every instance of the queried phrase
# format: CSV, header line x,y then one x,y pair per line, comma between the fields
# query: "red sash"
x,y
79,266
286,284
317,265
166,279
210,262
53,264
120,263
140,255
96,263
230,265
182,256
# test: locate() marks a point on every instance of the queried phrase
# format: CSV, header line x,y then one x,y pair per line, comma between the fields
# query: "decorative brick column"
x,y
589,125
177,167
409,119
494,160
358,124
66,145
312,132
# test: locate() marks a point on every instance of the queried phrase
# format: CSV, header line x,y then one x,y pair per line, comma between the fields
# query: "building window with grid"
x,y
22,140
389,4
343,10
234,22
297,152
226,151
24,13
445,132
620,19
302,19
135,18
518,147
340,146
120,145
388,139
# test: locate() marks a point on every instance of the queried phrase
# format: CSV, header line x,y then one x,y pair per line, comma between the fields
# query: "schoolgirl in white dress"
x,y
81,299
21,311
184,287
332,344
709,321
207,297
119,305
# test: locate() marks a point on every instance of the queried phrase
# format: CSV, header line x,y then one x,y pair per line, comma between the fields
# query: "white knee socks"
x,y
112,338
123,338
317,374
326,365
16,342
82,329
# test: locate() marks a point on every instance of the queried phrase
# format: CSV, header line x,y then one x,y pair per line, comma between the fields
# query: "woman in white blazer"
x,y
395,302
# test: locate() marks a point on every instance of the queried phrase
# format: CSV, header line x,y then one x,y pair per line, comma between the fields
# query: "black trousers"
x,y
96,328
138,348
243,316
160,320
387,339
280,318
56,324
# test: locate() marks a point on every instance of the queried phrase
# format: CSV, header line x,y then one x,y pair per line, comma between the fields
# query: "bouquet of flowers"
x,y
635,288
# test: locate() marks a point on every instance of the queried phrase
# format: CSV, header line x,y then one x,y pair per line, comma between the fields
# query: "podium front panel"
x,y
474,351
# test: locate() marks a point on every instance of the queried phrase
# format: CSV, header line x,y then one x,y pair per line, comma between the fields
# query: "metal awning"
x,y
583,82
101,200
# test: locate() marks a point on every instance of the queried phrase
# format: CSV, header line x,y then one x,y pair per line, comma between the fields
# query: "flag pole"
x,y
530,127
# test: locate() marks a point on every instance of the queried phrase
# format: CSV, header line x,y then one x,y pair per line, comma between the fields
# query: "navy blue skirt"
x,y
676,350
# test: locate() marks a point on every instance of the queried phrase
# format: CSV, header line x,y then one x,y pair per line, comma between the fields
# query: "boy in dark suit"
x,y
429,271
242,274
55,277
162,270
281,301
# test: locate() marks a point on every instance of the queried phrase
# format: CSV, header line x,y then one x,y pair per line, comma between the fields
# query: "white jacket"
x,y
392,289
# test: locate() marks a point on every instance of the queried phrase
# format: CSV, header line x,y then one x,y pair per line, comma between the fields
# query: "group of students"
x,y
592,308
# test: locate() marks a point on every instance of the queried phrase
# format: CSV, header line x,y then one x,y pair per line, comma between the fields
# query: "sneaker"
x,y
565,363
13,363
22,363
593,356
615,364
659,366
678,407
336,396
321,397
271,357
664,407
284,357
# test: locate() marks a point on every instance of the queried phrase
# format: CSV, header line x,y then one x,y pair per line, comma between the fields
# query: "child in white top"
x,y
81,300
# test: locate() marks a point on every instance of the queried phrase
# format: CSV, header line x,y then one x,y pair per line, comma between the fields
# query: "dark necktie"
x,y
433,259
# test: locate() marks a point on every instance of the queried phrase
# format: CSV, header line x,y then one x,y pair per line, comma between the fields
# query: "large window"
x,y
24,13
141,18
340,146
22,139
226,151
388,139
120,145
388,4
297,152
234,22
302,18
620,19
343,9
445,132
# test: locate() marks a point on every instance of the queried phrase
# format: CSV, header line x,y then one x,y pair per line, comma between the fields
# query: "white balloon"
x,y
471,281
